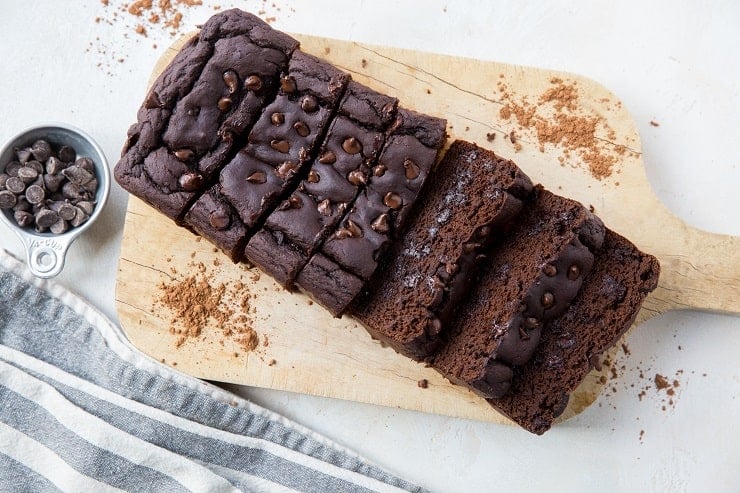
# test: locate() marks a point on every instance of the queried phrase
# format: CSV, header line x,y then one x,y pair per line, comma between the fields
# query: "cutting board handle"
x,y
699,270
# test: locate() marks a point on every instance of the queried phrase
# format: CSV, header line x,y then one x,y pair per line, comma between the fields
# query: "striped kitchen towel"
x,y
82,410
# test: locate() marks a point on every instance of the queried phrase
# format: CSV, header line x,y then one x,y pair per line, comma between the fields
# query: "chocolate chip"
x,y
184,155
550,270
253,83
73,192
411,169
392,200
7,199
41,150
190,181
280,145
85,163
65,210
86,206
324,207
548,299
379,170
231,79
35,194
224,104
15,184
45,218
484,232
80,218
301,128
351,145
3,180
53,182
22,204
574,272
356,177
531,323
313,177
309,104
37,166
470,247
23,218
350,230
259,177
24,154
381,224
295,202
54,166
219,220
480,257
27,175
523,334
194,111
434,327
67,154
77,175
287,84
277,118
59,227
286,170
387,110
328,157
11,169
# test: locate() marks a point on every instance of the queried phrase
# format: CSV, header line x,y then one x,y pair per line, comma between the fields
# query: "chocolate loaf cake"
x,y
378,216
293,232
570,344
205,100
530,278
470,201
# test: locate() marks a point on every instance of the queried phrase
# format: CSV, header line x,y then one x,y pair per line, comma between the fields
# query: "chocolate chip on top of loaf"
x,y
298,227
470,202
204,101
530,278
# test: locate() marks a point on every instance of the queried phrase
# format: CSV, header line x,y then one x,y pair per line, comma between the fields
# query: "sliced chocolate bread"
x,y
284,139
570,344
299,225
470,201
351,254
529,279
210,95
279,146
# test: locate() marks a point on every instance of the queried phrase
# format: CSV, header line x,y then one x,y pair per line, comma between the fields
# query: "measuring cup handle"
x,y
46,256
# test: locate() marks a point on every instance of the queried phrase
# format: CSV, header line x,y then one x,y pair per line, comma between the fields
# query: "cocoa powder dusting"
x,y
558,118
197,302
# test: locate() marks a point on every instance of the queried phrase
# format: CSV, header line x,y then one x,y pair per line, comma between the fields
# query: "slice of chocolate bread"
x,y
470,201
293,232
209,95
284,139
530,278
603,311
378,214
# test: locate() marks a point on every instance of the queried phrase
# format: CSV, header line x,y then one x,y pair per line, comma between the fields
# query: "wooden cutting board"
x,y
303,349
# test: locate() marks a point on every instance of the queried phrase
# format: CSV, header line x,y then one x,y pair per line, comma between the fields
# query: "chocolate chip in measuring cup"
x,y
50,190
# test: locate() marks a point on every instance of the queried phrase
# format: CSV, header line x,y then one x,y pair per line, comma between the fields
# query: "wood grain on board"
x,y
303,349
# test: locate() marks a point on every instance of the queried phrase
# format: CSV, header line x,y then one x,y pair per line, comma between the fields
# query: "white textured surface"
x,y
675,63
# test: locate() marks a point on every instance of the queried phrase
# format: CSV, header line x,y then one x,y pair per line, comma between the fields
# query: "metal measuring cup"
x,y
46,252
